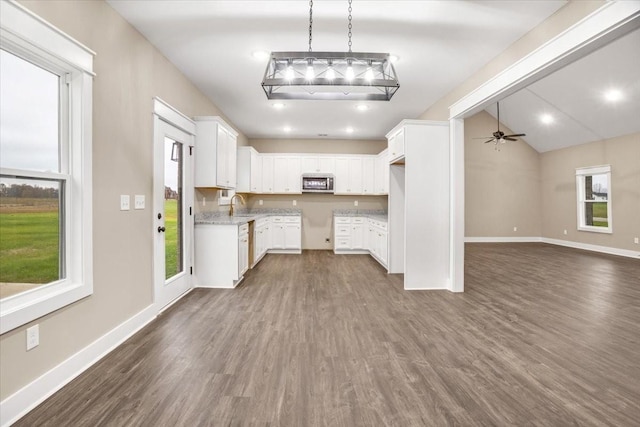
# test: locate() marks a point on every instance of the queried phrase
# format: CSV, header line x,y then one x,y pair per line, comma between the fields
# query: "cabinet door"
x,y
292,236
384,248
355,176
396,145
277,236
256,173
341,184
232,154
243,254
294,180
221,157
368,175
310,164
357,236
280,174
327,165
267,174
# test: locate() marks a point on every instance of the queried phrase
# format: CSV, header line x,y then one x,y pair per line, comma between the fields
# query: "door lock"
x,y
161,229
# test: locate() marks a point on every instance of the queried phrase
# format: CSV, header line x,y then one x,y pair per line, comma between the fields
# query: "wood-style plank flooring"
x,y
543,335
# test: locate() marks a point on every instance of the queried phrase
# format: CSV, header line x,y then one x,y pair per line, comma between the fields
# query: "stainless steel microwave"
x,y
317,183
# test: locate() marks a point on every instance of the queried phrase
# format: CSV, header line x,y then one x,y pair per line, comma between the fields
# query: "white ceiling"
x,y
440,44
575,97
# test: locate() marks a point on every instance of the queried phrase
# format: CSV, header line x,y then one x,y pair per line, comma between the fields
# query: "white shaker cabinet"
x,y
318,164
215,155
368,175
267,174
286,175
396,145
249,171
381,177
348,176
221,254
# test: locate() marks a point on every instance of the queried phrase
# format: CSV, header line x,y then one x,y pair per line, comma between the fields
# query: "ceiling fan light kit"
x,y
354,76
499,136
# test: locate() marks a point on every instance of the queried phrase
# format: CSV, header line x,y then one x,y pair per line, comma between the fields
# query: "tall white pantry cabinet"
x,y
419,203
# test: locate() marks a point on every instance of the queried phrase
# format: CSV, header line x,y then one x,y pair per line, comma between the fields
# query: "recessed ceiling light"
x,y
394,58
613,95
278,105
349,130
362,107
546,119
287,128
260,54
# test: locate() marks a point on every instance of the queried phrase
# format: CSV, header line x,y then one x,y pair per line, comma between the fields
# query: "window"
x,y
45,168
594,199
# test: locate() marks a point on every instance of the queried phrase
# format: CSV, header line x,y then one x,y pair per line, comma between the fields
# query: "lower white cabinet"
x,y
221,254
286,234
360,235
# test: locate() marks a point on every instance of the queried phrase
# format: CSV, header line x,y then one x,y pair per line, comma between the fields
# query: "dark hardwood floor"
x,y
543,335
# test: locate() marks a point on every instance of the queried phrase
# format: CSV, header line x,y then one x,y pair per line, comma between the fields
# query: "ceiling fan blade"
x,y
491,140
508,138
482,137
516,134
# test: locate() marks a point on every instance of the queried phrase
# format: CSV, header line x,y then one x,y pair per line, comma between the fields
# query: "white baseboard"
x,y
576,245
595,248
502,239
24,400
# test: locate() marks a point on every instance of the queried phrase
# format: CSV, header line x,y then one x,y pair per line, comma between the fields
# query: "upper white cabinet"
x,y
318,164
267,174
368,175
396,145
286,175
215,158
382,173
348,175
249,171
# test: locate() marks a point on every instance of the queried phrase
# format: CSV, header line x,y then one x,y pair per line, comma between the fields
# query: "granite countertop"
x,y
242,216
377,214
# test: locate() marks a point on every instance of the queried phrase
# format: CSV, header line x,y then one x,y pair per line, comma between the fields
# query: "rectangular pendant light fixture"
x,y
354,76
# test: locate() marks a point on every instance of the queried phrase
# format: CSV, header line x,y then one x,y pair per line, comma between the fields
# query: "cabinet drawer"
x,y
261,222
277,219
357,220
343,230
343,244
342,220
292,219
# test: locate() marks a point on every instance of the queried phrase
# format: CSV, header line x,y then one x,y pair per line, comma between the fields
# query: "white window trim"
x,y
580,192
24,32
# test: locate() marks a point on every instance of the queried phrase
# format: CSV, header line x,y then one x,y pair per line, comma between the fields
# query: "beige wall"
x,y
559,205
130,72
502,188
337,146
565,17
317,209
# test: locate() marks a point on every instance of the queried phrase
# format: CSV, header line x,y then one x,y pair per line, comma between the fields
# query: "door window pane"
x,y
29,116
173,239
30,242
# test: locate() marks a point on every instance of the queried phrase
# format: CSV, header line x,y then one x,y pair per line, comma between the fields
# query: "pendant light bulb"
x,y
289,73
369,74
310,75
331,74
349,75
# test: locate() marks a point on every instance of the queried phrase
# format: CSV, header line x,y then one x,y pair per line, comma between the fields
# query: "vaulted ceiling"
x,y
439,45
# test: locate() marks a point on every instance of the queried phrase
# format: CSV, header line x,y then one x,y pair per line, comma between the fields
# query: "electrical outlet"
x,y
635,240
125,202
565,232
204,201
295,203
33,337
138,201
515,228
355,203
260,202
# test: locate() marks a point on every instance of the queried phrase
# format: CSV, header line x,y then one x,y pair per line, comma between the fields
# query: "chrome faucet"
x,y
231,202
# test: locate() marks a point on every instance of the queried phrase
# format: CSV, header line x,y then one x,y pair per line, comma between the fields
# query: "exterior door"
x,y
173,223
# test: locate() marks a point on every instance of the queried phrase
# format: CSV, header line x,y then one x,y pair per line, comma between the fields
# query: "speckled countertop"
x,y
242,216
377,214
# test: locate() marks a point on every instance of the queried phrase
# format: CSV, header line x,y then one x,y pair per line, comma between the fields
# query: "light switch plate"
x,y
260,202
295,203
139,201
355,203
125,202
636,240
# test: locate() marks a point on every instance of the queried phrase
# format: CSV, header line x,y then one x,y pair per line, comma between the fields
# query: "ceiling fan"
x,y
499,136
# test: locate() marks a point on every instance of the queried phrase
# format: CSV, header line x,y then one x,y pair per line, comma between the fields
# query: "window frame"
x,y
29,37
581,173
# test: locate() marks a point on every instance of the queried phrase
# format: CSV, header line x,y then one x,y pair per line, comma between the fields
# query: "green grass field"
x,y
172,266
600,211
29,246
